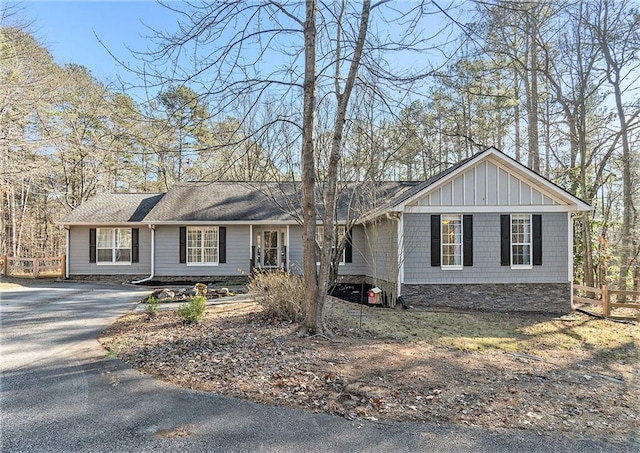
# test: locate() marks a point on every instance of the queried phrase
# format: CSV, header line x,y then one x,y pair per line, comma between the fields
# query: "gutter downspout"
x,y
66,264
153,257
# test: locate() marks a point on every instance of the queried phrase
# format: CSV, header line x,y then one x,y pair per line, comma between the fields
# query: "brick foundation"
x,y
229,280
531,297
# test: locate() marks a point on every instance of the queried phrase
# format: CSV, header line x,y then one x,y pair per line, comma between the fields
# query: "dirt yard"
x,y
575,374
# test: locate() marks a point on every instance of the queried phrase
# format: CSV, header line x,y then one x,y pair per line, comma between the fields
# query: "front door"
x,y
270,249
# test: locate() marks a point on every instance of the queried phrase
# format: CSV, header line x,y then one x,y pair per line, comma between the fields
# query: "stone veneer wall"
x,y
530,297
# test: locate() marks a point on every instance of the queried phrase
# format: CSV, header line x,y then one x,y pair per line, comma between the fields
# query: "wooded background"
x,y
552,84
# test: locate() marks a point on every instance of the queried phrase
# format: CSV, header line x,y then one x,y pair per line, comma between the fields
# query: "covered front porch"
x,y
269,245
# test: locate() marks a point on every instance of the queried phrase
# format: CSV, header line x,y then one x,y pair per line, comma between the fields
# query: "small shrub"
x,y
193,311
152,306
280,294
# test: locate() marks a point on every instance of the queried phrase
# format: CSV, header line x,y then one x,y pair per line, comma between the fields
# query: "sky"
x,y
72,30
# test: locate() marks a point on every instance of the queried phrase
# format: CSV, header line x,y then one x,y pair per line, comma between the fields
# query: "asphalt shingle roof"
x,y
113,208
229,202
244,201
226,201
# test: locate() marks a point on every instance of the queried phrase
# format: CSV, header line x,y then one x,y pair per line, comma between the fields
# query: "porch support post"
x,y
251,257
288,248
400,239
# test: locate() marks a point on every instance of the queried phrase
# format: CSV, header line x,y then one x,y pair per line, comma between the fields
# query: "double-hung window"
x,y
113,245
320,238
451,241
521,240
202,246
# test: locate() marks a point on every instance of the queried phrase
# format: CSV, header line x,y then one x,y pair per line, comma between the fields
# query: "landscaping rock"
x,y
163,294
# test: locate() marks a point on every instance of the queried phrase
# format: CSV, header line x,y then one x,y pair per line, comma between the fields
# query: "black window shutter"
x,y
435,240
92,245
348,248
183,244
222,244
536,221
467,240
135,248
505,240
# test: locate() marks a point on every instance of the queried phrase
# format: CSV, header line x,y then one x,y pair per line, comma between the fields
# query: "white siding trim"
x,y
221,223
497,209
288,245
570,254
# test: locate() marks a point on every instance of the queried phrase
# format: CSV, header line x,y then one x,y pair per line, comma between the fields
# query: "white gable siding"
x,y
487,184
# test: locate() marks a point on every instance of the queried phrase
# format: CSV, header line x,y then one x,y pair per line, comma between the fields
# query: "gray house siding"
x,y
168,256
358,265
487,285
295,249
382,249
486,253
79,255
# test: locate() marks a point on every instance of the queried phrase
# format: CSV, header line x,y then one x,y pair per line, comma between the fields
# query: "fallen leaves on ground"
x,y
235,351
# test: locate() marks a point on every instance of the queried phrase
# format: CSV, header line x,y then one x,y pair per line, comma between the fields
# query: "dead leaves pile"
x,y
237,352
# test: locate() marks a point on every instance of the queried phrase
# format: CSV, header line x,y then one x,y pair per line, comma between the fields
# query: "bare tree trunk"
x,y
614,77
330,201
314,312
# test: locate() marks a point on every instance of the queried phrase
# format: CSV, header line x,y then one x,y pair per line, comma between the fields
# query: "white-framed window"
x,y
521,239
113,246
451,241
320,237
202,246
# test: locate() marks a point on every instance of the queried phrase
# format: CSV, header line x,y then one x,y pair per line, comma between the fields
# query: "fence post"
x,y
606,309
5,266
36,267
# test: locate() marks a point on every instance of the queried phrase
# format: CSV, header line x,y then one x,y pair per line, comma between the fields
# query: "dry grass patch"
x,y
575,374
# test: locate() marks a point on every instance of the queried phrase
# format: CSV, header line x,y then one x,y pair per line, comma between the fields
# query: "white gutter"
x,y
153,257
66,264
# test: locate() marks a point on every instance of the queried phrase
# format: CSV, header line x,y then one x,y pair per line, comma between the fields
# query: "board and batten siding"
x,y
168,254
79,254
486,184
486,253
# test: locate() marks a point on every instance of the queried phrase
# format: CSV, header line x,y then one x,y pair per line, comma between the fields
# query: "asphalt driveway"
x,y
61,392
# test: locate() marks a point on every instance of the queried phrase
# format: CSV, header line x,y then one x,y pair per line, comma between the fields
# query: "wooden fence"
x,y
33,267
610,300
